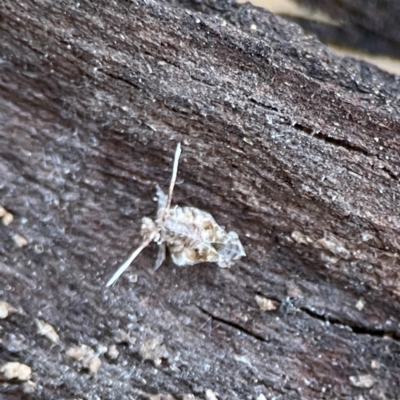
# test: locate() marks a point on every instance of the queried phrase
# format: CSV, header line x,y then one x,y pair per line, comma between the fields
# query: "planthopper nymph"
x,y
191,235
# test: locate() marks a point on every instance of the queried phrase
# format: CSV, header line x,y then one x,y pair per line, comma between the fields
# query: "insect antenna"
x,y
128,262
174,174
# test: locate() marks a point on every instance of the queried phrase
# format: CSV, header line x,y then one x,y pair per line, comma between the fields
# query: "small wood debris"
x,y
45,329
133,278
94,365
366,236
266,304
210,395
152,348
123,337
300,238
375,364
334,245
19,240
112,352
161,397
86,356
188,397
16,370
360,304
243,359
3,211
7,218
293,290
362,381
29,387
6,309
329,242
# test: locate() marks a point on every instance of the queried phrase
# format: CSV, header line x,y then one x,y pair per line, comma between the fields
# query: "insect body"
x,y
191,235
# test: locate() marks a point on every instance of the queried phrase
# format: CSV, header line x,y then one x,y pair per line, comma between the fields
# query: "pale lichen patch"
x,y
266,304
16,370
86,356
45,329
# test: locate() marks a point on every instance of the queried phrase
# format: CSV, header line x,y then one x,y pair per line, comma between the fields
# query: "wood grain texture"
x,y
295,149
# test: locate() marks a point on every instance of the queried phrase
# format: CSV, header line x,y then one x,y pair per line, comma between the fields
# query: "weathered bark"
x,y
296,150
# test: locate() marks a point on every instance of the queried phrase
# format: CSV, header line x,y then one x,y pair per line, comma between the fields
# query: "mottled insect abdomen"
x,y
193,236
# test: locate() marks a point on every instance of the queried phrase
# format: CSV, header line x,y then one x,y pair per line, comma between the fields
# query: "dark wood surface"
x,y
295,149
371,26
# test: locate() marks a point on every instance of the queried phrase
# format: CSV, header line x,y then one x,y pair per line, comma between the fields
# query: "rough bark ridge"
x,y
296,150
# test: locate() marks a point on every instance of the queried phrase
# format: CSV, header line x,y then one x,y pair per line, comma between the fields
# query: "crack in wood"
x,y
120,78
331,140
343,144
359,330
232,324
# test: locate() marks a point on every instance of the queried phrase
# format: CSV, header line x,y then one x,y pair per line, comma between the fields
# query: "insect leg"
x,y
162,198
174,174
128,262
160,256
